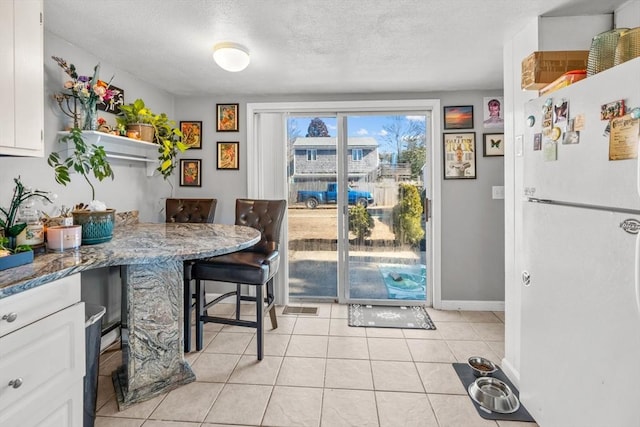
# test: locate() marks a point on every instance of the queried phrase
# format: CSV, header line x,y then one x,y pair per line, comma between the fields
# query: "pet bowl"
x,y
481,367
494,395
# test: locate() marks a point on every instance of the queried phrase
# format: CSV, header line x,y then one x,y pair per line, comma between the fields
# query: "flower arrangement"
x,y
10,228
88,90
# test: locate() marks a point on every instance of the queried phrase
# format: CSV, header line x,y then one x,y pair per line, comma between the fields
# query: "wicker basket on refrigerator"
x,y
628,46
603,50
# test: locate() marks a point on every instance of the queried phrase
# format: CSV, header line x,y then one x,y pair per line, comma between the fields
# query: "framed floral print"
x,y
459,155
190,173
493,144
228,155
227,117
191,134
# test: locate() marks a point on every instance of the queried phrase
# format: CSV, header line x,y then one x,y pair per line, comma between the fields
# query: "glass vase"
x,y
90,110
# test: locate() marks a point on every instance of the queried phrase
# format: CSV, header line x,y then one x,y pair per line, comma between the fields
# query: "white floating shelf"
x,y
121,148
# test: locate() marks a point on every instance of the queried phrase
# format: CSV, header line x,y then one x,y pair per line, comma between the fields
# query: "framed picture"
x,y
493,144
191,134
190,173
459,155
113,105
459,117
493,112
228,155
227,117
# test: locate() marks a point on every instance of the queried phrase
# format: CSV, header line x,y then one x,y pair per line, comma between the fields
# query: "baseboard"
x,y
109,338
472,305
510,372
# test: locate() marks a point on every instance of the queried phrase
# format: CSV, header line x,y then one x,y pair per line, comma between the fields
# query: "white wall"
x,y
131,189
628,15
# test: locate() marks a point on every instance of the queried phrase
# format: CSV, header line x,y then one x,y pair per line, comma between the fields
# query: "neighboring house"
x,y
314,159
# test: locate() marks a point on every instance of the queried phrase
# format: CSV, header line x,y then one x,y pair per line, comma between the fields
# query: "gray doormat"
x,y
383,316
466,376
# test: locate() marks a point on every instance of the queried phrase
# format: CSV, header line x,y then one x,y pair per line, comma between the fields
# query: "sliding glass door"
x,y
357,224
384,157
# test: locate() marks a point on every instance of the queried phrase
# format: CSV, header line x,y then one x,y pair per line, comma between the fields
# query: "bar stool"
x,y
255,266
189,211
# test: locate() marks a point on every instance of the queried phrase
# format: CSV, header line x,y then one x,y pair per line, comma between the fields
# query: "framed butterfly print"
x,y
493,144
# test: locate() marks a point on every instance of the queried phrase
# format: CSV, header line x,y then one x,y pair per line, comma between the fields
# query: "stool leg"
x,y
199,311
272,310
238,300
186,326
260,321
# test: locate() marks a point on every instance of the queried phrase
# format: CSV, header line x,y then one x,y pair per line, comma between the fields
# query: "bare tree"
x,y
400,131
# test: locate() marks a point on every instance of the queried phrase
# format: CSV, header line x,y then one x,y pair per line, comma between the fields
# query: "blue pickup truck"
x,y
312,199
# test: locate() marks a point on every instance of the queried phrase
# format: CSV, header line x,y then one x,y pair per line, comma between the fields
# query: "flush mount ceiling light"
x,y
231,56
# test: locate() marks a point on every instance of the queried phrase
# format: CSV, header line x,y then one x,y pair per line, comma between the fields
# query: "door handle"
x,y
427,209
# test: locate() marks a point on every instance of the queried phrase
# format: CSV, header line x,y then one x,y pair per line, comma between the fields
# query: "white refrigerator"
x,y
580,305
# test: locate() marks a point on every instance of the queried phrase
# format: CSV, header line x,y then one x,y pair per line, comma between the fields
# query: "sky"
x,y
368,125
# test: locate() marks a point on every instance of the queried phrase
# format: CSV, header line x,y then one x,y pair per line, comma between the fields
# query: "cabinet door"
x,y
46,357
22,134
7,136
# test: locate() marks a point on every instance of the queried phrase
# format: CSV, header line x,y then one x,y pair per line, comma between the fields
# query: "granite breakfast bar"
x,y
151,258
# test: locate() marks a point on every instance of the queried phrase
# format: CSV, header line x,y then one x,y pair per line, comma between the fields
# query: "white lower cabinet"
x,y
42,364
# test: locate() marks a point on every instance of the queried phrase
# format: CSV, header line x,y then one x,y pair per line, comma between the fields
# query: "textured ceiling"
x,y
307,46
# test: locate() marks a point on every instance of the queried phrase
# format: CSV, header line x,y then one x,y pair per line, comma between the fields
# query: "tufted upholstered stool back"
x,y
190,210
265,216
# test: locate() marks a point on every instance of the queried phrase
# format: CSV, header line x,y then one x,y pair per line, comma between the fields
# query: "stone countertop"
x,y
133,244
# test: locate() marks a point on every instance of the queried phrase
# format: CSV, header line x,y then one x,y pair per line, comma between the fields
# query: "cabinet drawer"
x,y
36,303
46,357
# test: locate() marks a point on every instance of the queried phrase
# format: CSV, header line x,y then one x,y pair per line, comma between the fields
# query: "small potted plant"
x,y
11,254
164,131
96,220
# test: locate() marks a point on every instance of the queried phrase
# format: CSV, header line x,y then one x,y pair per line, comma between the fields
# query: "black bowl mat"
x,y
466,376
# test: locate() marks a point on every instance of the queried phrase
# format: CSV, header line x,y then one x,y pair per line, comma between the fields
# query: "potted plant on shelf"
x,y
164,132
12,254
96,220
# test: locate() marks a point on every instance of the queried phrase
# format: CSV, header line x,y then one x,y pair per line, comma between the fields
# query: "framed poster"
x,y
493,112
228,155
227,117
459,155
493,144
191,134
458,117
190,173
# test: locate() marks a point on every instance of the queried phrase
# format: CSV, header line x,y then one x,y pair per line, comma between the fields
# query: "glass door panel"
x,y
312,174
385,158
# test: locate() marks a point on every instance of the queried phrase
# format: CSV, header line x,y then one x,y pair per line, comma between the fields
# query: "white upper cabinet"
x,y
21,78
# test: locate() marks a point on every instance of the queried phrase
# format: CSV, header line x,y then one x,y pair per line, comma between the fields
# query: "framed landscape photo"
x,y
227,117
191,134
459,155
458,117
228,155
493,144
190,173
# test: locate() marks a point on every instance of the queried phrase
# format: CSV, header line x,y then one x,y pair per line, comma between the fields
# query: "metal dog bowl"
x,y
494,395
481,367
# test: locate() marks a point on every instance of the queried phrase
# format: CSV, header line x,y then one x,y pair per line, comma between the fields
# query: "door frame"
x,y
266,173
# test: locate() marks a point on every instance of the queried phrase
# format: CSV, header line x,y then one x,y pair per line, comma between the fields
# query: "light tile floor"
x,y
319,372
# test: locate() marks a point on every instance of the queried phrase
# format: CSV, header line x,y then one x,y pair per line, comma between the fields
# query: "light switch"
x,y
497,192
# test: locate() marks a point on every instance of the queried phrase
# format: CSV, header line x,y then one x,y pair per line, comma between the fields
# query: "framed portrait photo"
x,y
228,155
493,144
227,117
493,112
190,173
458,117
459,155
191,134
